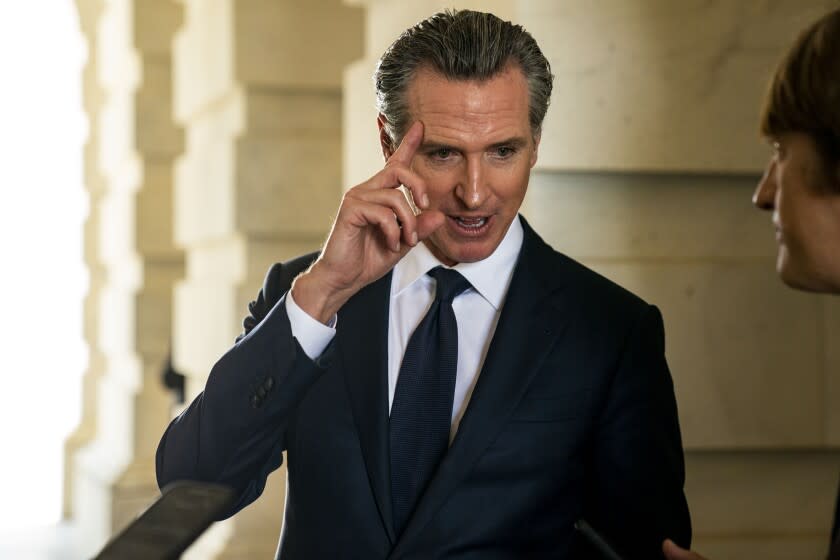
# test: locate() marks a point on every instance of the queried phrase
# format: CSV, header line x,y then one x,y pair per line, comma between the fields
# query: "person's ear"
x,y
385,140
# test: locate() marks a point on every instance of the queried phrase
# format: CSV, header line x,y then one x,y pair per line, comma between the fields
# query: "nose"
x,y
471,189
764,196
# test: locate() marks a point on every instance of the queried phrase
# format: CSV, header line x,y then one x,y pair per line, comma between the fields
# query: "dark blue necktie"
x,y
422,409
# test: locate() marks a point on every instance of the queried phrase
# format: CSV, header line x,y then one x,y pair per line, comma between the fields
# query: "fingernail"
x,y
397,247
425,200
414,238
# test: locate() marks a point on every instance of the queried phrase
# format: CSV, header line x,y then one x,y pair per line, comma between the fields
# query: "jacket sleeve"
x,y
234,432
640,471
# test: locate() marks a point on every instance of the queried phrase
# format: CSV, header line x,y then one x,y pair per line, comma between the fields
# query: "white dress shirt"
x,y
412,292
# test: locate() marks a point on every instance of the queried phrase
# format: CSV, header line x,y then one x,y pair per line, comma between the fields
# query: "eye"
x,y
442,153
503,152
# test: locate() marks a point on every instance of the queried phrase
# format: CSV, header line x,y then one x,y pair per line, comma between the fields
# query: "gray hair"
x,y
460,45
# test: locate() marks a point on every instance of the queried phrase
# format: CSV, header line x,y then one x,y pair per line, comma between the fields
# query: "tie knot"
x,y
450,283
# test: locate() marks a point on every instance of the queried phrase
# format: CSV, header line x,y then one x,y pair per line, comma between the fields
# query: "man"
x,y
446,385
801,185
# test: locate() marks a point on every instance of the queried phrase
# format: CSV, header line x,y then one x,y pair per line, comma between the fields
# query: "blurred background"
x,y
159,155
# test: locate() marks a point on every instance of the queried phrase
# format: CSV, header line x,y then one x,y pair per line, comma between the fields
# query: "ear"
x,y
384,138
536,148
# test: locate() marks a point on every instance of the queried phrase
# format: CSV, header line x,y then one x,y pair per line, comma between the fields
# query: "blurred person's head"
x,y
801,185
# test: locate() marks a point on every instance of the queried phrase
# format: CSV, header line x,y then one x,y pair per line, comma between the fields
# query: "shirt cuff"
x,y
312,335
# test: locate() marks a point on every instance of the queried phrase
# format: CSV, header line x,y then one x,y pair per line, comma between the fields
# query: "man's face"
x,y
476,158
805,200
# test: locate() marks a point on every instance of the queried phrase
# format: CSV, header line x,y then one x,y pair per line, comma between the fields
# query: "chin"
x,y
451,252
801,278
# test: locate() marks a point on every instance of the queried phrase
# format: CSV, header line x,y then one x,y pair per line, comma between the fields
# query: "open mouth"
x,y
471,225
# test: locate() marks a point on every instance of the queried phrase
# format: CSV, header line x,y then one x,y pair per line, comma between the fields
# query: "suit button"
x,y
269,384
256,401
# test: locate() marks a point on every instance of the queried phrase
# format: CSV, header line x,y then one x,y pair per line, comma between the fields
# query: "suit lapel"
x,y
530,323
362,339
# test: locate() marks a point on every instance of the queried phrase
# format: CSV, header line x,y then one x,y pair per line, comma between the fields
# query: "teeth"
x,y
471,223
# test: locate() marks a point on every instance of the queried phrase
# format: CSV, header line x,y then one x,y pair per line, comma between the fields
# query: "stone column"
x,y
648,159
258,90
89,14
136,142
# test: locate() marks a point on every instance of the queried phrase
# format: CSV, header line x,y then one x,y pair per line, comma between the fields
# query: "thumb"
x,y
428,221
674,552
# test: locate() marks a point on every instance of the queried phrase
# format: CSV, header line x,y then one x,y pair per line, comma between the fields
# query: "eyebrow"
x,y
515,142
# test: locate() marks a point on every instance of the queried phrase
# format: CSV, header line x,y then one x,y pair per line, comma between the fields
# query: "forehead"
x,y
469,111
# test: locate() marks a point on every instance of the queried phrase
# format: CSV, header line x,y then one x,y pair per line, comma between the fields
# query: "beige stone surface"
x,y
658,85
204,174
155,214
119,63
361,152
277,42
280,177
202,56
764,546
92,98
649,216
206,322
130,239
154,23
153,320
158,137
221,280
285,185
118,223
742,348
748,495
830,343
263,44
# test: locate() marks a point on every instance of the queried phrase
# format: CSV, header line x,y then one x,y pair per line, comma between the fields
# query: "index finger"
x,y
409,144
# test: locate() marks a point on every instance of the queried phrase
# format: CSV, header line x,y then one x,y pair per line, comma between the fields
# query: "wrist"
x,y
318,297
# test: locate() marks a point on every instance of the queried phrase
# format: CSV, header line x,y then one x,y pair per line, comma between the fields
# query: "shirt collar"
x,y
490,277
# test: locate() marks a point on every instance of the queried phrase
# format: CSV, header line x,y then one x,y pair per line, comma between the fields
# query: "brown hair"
x,y
804,95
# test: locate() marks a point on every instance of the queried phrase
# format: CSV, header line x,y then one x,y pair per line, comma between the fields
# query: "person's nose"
x,y
764,197
472,189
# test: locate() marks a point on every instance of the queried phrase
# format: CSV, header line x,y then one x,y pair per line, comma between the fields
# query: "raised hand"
x,y
375,227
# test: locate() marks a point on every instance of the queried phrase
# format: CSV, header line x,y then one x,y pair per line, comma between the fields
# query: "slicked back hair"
x,y
459,45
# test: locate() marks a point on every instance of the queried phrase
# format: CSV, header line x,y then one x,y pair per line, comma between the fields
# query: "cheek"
x,y
512,185
439,182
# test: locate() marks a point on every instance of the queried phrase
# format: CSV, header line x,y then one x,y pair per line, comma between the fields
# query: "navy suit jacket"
x,y
573,416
